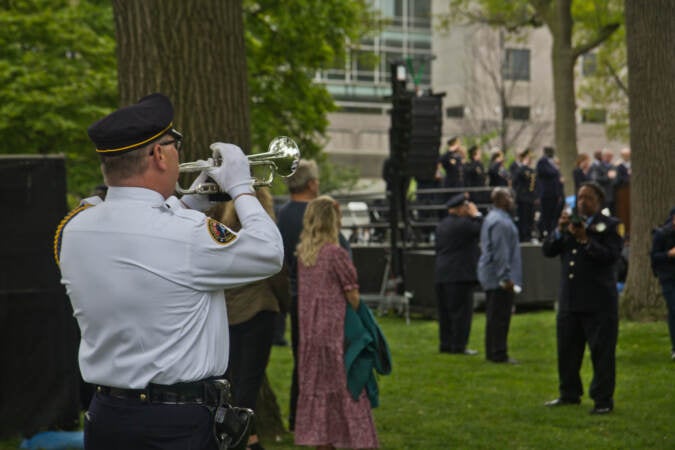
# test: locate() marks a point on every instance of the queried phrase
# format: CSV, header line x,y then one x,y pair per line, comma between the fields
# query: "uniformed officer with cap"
x,y
589,247
145,274
451,162
524,180
457,253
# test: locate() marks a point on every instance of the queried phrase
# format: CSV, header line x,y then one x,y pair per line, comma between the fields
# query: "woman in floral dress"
x,y
327,416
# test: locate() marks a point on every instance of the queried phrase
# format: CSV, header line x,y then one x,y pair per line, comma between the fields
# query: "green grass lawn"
x,y
441,401
434,401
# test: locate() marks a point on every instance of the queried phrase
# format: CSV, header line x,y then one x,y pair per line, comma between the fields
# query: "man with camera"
x,y
589,247
146,277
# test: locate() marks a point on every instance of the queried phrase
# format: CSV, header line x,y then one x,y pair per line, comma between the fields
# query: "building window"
x,y
454,112
593,115
517,112
419,13
589,64
516,64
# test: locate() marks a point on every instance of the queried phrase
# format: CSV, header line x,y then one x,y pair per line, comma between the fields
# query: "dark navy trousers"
x,y
113,423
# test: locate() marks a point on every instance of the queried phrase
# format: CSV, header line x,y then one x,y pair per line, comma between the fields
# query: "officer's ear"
x,y
159,156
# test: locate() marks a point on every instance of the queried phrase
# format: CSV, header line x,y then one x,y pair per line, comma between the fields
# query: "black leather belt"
x,y
197,392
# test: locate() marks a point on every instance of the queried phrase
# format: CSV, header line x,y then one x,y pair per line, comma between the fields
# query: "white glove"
x,y
200,202
234,174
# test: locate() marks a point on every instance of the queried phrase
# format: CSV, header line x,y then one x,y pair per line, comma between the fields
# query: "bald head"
x,y
625,154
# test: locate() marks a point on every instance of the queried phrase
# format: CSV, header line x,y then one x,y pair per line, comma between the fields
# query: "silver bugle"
x,y
281,158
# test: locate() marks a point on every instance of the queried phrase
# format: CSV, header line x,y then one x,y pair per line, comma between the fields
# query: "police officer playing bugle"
x,y
145,273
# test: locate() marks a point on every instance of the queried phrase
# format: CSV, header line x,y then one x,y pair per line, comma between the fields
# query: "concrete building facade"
x,y
497,86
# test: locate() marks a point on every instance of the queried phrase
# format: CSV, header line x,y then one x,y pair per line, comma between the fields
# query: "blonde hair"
x,y
320,226
226,214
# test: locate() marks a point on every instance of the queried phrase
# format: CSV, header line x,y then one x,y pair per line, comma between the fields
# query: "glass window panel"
x,y
517,112
516,64
454,112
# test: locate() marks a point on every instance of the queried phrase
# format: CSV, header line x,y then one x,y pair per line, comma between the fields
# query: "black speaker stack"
x,y
416,130
40,382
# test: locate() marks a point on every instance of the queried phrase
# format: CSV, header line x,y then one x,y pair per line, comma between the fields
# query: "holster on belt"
x,y
231,425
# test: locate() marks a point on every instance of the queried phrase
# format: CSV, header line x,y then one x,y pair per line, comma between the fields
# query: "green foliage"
x,y
286,43
440,401
57,75
608,85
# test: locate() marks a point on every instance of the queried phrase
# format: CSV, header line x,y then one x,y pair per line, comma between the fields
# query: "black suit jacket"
x,y
452,163
588,275
474,174
548,177
525,184
457,249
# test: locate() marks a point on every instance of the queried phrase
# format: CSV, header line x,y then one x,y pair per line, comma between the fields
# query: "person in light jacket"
x,y
499,273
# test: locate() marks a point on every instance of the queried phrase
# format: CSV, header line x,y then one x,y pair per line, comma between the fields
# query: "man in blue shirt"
x,y
499,273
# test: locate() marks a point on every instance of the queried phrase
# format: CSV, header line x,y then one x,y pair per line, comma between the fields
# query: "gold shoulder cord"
x,y
62,224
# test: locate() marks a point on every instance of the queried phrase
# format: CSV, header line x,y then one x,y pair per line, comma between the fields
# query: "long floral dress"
x,y
326,412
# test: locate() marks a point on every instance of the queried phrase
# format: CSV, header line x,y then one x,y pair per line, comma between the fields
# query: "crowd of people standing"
x,y
537,183
173,295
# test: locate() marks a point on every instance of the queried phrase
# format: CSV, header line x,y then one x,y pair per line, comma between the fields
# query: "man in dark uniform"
x,y
457,253
451,163
550,195
663,265
525,186
474,175
589,247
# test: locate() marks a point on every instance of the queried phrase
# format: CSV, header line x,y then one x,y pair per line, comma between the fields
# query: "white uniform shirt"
x,y
146,276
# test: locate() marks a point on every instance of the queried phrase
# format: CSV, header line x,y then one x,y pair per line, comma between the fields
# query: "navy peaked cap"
x,y
133,126
456,200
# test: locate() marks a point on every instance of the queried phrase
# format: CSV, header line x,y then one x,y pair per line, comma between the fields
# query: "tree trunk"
x,y
192,51
563,59
650,40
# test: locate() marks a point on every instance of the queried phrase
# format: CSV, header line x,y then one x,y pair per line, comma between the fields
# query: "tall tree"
x,y
576,28
193,52
650,38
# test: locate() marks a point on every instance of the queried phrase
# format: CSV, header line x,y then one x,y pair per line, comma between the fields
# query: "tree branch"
x,y
603,34
617,79
499,21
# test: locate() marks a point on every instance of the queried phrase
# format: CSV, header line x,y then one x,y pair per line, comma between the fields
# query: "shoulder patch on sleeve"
x,y
59,229
219,232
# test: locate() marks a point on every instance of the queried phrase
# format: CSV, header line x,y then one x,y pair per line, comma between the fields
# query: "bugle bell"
x,y
281,158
